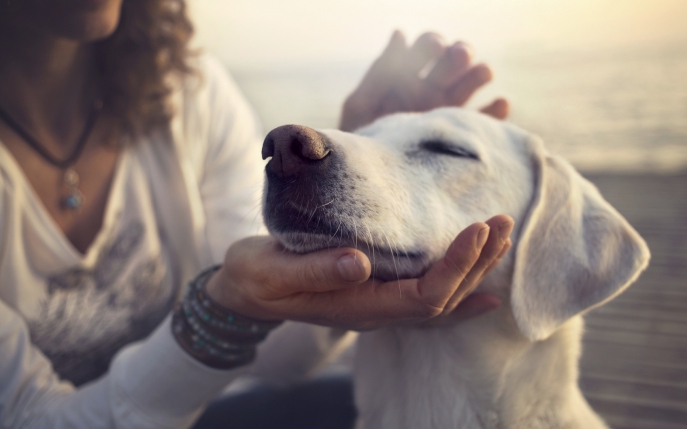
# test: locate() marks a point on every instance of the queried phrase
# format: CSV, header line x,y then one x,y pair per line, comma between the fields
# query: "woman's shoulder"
x,y
211,114
211,98
213,124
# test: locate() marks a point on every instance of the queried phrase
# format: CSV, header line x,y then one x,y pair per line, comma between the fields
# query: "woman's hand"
x,y
398,81
331,287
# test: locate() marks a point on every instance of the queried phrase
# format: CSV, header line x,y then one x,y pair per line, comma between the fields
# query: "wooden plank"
x,y
631,408
620,422
663,394
613,324
639,311
612,371
634,363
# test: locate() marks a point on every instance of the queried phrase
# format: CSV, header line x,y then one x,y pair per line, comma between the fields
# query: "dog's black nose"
x,y
294,149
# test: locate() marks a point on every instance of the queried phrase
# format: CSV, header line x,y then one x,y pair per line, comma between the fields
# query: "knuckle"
x,y
470,280
310,274
428,310
472,256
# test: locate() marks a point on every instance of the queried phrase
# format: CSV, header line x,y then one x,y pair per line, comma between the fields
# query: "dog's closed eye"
x,y
442,147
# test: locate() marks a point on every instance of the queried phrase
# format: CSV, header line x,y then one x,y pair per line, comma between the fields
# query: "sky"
x,y
254,33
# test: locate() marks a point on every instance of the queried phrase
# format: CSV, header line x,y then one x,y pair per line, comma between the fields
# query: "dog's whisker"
x,y
341,232
372,247
254,220
333,237
355,234
463,275
393,259
319,207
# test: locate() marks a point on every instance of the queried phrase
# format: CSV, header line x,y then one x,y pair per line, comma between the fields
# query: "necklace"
x,y
73,200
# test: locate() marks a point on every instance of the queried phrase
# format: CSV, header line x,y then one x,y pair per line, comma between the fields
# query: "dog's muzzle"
x,y
312,202
302,177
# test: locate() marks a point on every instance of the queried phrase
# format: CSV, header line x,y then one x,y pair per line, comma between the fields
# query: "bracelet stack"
x,y
213,334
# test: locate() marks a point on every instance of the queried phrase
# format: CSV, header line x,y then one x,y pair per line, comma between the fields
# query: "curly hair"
x,y
150,42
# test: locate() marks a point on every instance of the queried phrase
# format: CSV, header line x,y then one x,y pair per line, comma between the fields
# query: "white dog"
x,y
400,190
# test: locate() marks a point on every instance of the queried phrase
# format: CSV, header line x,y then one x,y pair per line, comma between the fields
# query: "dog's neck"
x,y
480,373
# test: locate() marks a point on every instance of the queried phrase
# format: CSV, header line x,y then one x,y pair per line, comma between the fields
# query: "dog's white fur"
x,y
516,367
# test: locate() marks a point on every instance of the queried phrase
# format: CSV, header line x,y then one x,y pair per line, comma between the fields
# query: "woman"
x,y
127,166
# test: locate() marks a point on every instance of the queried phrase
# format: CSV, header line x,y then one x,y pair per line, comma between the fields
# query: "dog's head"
x,y
402,188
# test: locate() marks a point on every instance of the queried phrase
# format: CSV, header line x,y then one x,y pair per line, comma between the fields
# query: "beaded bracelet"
x,y
213,334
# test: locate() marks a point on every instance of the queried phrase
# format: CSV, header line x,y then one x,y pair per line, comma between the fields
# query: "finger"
x,y
476,77
377,80
451,66
372,304
437,286
362,105
290,273
506,247
474,305
326,270
500,227
427,47
499,109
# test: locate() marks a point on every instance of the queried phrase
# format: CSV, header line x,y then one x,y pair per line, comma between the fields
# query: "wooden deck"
x,y
634,365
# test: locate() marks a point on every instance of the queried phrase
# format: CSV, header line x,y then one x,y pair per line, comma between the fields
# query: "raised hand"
x,y
421,77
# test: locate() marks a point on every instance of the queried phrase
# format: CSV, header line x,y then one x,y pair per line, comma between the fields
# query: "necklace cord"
x,y
42,151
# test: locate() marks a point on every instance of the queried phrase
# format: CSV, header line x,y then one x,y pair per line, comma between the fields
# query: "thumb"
x,y
321,271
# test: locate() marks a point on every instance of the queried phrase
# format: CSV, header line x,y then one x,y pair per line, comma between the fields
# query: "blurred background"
x,y
604,82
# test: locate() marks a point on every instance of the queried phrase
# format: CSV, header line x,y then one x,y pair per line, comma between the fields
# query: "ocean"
x,y
606,110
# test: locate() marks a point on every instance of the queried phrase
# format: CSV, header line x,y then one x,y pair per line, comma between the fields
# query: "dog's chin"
x,y
387,265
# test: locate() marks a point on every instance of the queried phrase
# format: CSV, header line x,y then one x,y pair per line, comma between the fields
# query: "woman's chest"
x,y
82,308
74,195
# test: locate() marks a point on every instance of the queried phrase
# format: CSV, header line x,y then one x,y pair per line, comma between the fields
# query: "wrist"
x,y
214,288
223,291
202,350
213,334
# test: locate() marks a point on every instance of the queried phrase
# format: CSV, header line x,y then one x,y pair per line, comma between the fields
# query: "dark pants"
x,y
324,403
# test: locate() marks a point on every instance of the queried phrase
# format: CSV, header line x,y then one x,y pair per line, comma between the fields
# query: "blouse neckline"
x,y
60,243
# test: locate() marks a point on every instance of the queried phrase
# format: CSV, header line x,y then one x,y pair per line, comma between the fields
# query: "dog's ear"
x,y
575,252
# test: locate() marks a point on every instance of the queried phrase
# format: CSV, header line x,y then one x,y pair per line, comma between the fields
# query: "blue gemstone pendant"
x,y
74,198
73,201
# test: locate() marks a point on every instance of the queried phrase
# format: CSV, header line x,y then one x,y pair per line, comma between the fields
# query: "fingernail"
x,y
482,237
504,230
350,268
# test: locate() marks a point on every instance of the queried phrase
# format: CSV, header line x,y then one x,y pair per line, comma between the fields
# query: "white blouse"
x,y
178,200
